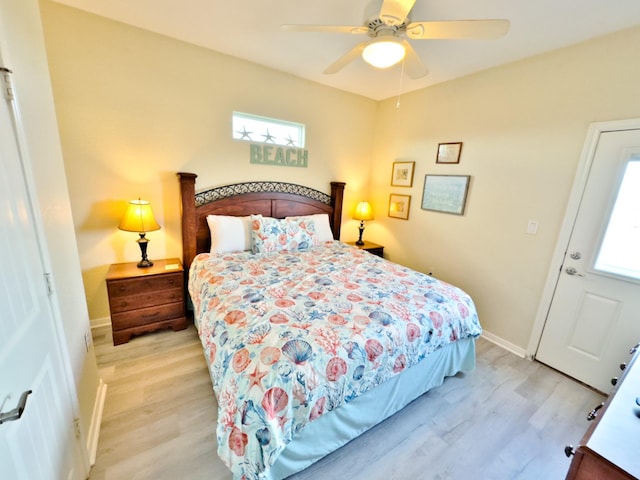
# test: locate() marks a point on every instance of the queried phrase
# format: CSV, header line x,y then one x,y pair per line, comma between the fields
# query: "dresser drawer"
x,y
125,303
146,316
135,286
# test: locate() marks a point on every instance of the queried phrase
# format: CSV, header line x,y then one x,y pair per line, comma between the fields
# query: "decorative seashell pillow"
x,y
274,235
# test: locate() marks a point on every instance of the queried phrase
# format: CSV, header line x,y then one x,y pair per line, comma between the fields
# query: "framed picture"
x,y
449,152
445,193
402,174
399,206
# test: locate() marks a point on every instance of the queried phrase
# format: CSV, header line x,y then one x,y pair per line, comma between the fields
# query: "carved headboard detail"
x,y
268,198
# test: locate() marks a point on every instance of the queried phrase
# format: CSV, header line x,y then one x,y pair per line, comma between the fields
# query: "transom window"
x,y
257,129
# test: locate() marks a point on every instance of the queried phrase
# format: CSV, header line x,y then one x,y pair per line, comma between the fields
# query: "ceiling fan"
x,y
388,24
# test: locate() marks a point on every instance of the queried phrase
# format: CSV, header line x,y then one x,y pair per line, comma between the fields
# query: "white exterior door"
x,y
42,444
594,316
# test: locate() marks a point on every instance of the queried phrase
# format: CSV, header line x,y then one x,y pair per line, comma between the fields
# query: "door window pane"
x,y
620,249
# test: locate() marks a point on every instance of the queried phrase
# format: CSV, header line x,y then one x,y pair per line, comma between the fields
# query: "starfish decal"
x,y
268,137
356,329
244,134
256,377
290,141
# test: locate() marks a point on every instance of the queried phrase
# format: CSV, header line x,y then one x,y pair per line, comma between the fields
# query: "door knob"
x,y
16,413
573,271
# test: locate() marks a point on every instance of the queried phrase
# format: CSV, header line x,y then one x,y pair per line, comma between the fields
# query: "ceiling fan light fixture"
x,y
383,52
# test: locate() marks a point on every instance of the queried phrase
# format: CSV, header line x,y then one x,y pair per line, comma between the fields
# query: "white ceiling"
x,y
250,30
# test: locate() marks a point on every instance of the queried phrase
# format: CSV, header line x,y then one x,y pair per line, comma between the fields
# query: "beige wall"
x,y
523,126
135,107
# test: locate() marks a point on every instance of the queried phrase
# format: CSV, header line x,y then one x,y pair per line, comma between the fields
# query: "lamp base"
x,y
145,262
361,228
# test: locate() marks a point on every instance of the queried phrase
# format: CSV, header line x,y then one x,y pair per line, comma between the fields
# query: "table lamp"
x,y
363,212
139,218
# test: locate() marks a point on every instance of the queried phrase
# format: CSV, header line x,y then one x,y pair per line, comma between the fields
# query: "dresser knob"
x,y
568,450
594,413
623,366
614,380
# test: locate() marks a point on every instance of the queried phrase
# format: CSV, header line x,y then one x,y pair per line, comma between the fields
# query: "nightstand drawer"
x,y
119,304
376,251
145,316
152,284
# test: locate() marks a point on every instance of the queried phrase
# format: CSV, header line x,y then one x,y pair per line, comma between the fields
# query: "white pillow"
x,y
229,234
323,231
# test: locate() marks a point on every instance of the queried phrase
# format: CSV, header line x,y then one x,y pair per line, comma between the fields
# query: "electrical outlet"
x,y
532,227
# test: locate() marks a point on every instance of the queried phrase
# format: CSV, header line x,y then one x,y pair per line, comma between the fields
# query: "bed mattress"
x,y
296,341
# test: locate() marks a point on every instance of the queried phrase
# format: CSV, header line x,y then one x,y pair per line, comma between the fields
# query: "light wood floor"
x,y
509,419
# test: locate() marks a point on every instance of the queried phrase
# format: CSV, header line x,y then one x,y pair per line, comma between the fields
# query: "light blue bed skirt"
x,y
334,429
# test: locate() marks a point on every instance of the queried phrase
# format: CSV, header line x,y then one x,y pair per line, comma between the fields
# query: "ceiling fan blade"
x,y
458,29
412,63
324,28
394,12
350,56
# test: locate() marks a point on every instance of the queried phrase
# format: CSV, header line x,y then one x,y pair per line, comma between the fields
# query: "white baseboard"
x,y
100,322
501,342
96,420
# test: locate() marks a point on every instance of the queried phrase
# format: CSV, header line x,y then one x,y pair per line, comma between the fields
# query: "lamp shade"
x,y
139,218
363,212
383,52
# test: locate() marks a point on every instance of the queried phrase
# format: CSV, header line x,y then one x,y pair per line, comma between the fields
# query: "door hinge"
x,y
7,86
76,427
47,280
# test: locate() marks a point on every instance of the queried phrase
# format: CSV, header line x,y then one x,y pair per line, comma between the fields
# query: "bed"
x,y
309,341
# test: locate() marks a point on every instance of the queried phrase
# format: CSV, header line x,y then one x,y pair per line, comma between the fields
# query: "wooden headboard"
x,y
270,199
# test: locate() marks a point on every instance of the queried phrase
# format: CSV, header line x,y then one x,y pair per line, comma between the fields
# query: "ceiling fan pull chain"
x,y
400,86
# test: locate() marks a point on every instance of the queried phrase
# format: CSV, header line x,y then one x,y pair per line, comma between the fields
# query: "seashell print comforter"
x,y
290,336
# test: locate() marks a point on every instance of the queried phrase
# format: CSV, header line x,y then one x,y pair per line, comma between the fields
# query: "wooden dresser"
x,y
145,299
610,449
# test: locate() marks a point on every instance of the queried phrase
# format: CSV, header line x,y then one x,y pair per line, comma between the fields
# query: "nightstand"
x,y
369,247
145,299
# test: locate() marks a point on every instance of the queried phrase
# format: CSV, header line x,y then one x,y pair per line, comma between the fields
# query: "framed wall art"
x,y
445,193
449,152
399,206
402,174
